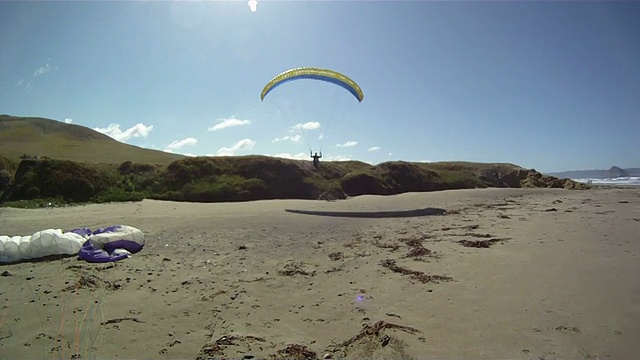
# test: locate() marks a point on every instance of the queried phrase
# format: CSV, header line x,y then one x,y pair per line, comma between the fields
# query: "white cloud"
x,y
138,130
244,144
311,125
177,144
228,122
374,148
23,83
253,5
305,156
337,158
43,70
68,120
294,138
167,150
298,156
390,154
348,144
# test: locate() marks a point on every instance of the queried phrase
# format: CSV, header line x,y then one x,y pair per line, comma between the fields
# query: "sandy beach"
x,y
473,274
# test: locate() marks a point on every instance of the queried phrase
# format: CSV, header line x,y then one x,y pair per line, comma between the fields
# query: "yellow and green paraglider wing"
x,y
314,74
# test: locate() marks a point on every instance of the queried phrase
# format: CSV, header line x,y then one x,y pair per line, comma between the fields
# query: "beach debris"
x,y
335,256
239,344
296,268
385,340
86,280
374,330
567,329
212,296
414,274
486,236
334,269
416,249
5,333
481,244
385,245
296,352
119,320
6,273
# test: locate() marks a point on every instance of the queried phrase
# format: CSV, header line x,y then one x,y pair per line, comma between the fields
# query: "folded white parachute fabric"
x,y
43,243
111,243
107,244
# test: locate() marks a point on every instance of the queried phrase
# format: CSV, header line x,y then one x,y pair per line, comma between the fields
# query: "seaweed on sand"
x,y
414,274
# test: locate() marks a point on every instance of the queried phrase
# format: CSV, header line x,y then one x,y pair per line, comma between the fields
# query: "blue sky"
x,y
547,85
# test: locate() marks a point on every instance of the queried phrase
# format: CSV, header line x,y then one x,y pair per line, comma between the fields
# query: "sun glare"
x,y
253,5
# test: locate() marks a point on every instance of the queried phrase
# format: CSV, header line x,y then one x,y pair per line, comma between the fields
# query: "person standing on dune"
x,y
316,158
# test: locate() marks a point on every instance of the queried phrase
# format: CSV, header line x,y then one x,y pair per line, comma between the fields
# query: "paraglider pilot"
x,y
316,158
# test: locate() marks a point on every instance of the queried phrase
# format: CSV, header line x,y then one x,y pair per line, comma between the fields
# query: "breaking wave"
x,y
627,181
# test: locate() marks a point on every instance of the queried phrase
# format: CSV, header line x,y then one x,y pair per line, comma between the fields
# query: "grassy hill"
x,y
74,171
57,140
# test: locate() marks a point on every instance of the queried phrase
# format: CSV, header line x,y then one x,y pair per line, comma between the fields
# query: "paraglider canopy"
x,y
310,108
314,74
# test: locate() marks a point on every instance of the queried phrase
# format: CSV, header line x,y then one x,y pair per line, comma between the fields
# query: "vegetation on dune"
x,y
7,168
218,179
49,163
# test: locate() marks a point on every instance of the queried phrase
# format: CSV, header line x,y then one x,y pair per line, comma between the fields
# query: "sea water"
x,y
623,181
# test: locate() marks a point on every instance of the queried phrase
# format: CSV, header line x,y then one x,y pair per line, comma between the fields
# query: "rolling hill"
x,y
42,137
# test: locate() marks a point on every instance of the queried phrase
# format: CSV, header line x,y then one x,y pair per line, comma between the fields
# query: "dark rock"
x,y
491,177
5,179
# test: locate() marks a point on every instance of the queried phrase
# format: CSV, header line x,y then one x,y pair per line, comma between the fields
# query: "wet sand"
x,y
476,274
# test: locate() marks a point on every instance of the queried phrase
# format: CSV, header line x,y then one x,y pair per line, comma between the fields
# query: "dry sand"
x,y
558,278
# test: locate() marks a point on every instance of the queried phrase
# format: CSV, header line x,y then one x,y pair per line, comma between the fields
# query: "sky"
x,y
550,85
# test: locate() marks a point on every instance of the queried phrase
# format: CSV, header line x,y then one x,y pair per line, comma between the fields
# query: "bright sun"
x,y
253,5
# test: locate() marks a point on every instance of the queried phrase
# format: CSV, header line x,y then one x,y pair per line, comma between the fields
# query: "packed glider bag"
x,y
107,244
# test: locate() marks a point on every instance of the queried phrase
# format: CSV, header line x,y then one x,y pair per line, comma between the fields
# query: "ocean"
x,y
624,181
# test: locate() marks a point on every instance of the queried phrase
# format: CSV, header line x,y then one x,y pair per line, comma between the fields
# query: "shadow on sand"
x,y
47,258
373,214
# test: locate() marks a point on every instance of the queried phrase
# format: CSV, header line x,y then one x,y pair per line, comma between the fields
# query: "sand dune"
x,y
496,273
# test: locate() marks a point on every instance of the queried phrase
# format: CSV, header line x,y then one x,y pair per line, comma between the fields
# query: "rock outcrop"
x,y
525,178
